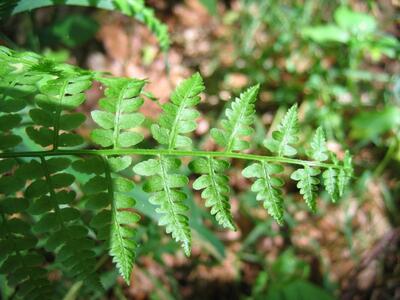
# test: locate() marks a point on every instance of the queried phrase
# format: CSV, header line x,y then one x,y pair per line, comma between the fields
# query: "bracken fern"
x,y
44,207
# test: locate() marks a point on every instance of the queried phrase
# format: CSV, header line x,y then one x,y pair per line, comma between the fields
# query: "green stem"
x,y
167,152
388,157
58,115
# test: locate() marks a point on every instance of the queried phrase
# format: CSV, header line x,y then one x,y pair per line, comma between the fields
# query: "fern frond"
x,y
215,186
239,118
308,185
48,215
267,187
145,15
163,184
283,139
20,261
179,117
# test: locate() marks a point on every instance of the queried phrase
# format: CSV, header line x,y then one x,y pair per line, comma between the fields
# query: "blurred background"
x,y
339,60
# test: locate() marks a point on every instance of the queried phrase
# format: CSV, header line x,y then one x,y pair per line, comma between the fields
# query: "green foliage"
x,y
72,31
164,184
215,186
359,30
267,187
76,196
178,116
119,113
286,135
239,118
133,8
319,150
307,183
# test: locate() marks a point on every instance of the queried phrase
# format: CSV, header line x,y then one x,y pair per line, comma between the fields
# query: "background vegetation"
x,y
338,60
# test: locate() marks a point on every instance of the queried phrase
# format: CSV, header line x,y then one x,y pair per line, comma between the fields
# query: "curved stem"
x,y
196,153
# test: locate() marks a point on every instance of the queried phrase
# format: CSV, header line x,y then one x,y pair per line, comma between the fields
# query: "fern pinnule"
x,y
56,95
236,126
330,183
267,187
20,261
285,136
308,185
179,116
119,113
215,186
59,221
239,118
164,184
345,173
319,151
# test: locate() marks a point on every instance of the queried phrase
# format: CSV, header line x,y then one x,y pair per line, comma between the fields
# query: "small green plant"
x,y
43,207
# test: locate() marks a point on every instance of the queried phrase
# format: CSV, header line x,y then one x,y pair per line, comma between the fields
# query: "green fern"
x,y
132,8
283,139
330,182
178,118
236,126
267,187
120,106
119,113
215,186
164,184
240,117
66,214
308,185
319,151
20,261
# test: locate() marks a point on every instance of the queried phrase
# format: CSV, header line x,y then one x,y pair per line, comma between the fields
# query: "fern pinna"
x,y
44,208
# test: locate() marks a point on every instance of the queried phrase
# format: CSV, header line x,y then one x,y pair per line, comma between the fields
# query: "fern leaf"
x,y
307,184
319,151
107,193
283,139
330,182
345,174
236,126
38,207
163,185
179,117
215,186
66,92
239,118
20,261
267,187
58,220
119,113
